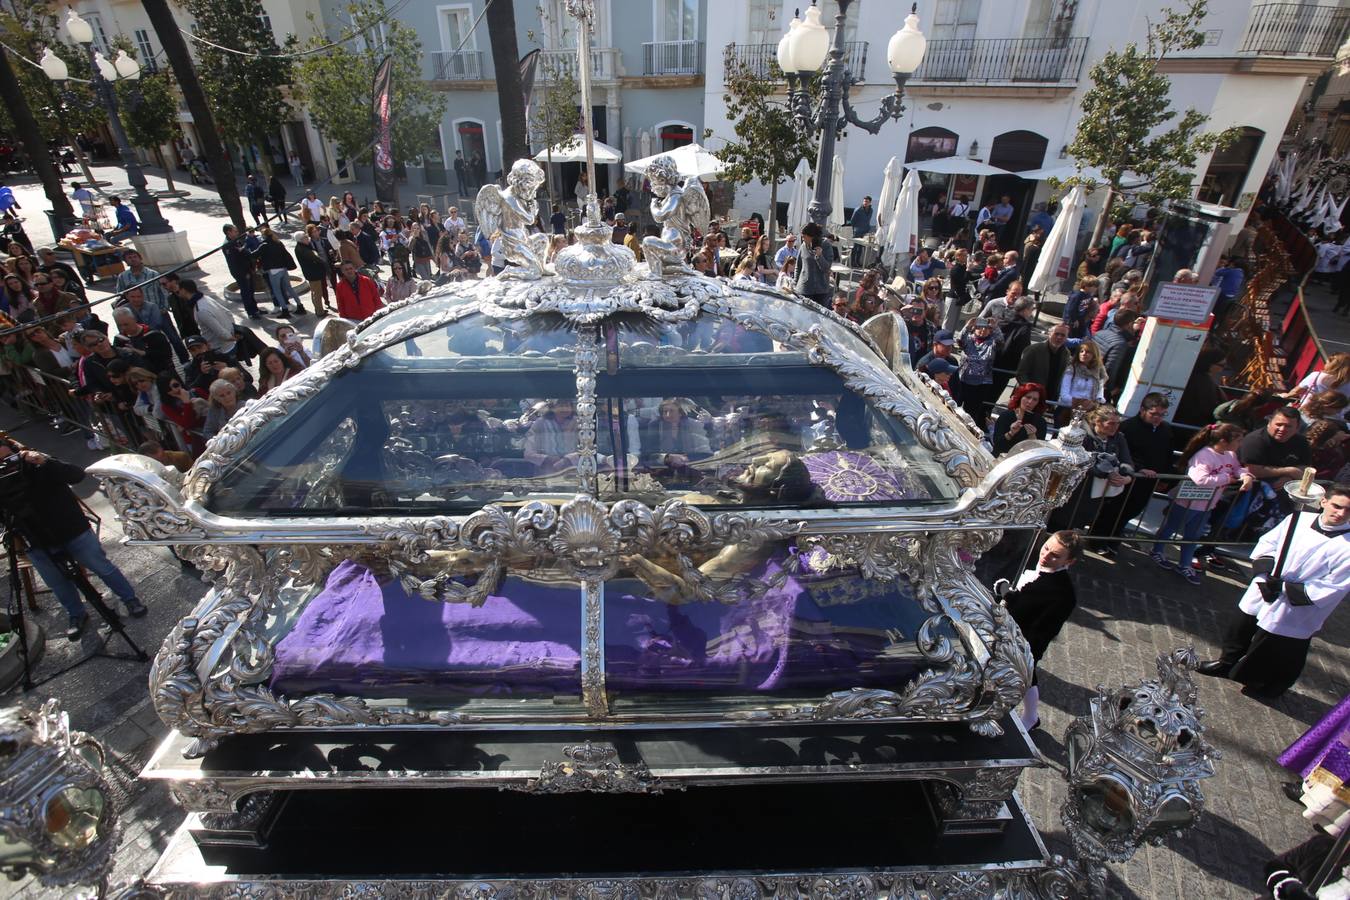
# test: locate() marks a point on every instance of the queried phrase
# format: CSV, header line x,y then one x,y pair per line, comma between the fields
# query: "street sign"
x,y
1184,302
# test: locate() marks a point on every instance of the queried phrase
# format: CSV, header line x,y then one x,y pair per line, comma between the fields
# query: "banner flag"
x,y
381,115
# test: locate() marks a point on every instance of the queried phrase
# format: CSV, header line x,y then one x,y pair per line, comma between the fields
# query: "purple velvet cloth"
x,y
817,632
1323,745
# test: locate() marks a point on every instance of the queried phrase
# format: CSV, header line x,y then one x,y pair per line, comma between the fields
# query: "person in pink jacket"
x,y
1211,462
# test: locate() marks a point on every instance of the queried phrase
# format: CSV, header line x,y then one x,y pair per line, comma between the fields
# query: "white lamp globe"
x,y
126,66
105,68
80,31
905,51
812,42
785,46
54,66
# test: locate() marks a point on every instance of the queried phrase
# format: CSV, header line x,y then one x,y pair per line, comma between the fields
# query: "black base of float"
x,y
801,840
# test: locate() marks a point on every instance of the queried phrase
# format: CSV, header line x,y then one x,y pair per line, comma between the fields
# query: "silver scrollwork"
x,y
591,769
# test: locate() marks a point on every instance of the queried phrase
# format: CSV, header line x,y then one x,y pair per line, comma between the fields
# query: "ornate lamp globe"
x,y
905,51
80,31
810,43
54,66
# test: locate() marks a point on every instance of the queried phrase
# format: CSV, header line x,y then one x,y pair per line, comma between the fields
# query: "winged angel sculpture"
x,y
679,206
512,212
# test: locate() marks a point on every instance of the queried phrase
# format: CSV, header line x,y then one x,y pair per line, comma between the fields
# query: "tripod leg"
x,y
19,621
108,614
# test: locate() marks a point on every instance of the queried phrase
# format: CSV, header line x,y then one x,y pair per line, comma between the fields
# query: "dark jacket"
x,y
154,344
368,247
313,263
92,372
1041,609
274,255
1002,443
39,497
1044,366
959,284
238,259
1006,276
1117,346
1151,447
1016,339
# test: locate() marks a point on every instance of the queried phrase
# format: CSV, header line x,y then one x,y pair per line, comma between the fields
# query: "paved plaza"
x,y
1128,612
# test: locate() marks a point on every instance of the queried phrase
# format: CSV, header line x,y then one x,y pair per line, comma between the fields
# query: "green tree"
x,y
1123,117
338,85
149,109
244,87
555,116
768,144
29,26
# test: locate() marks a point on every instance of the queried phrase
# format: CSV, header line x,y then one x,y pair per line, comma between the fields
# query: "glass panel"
x,y
787,622
405,432
787,434
364,634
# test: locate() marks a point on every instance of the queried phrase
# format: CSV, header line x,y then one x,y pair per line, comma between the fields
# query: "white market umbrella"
x,y
692,161
904,230
645,143
1063,171
1056,259
800,198
836,219
575,151
956,165
890,189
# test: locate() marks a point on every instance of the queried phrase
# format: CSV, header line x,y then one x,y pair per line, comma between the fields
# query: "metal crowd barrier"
x,y
52,399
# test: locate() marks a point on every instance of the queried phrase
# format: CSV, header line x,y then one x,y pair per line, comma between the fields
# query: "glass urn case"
x,y
641,502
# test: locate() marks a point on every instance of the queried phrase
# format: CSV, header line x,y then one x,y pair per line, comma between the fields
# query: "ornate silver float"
x,y
589,534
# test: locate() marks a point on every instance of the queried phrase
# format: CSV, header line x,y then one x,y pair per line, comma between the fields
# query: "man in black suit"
x,y
1041,602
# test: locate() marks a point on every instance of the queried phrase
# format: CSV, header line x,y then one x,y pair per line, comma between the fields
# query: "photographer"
x,y
38,503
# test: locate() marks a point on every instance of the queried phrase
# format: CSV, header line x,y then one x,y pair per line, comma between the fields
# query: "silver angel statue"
x,y
512,212
679,206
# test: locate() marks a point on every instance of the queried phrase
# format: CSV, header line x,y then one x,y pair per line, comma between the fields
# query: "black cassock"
x,y
1041,607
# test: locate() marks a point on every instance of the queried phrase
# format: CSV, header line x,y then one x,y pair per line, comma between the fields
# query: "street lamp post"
x,y
123,67
802,51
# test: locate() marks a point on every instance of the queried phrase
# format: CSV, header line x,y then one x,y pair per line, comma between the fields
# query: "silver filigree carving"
x,y
587,363
982,795
148,505
680,207
512,212
57,812
1058,879
595,770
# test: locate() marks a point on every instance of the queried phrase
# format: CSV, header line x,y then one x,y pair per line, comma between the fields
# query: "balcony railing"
x,y
1292,29
672,58
605,64
466,65
1004,60
762,59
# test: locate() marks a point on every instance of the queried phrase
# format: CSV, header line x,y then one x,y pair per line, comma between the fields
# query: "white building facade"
x,y
1002,82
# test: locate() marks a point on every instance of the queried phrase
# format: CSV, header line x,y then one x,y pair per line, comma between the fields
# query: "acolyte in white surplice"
x,y
1318,560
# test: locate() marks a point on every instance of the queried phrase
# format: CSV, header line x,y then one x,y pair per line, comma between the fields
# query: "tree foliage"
x,y
555,116
339,82
1128,124
29,26
149,109
768,144
244,88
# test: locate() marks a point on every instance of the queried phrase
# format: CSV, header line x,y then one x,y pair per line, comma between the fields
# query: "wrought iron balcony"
x,y
605,63
1292,29
1054,61
762,59
672,58
466,65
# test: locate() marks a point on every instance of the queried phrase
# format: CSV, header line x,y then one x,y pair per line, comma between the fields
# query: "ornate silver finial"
x,y
1135,764
679,206
512,212
56,806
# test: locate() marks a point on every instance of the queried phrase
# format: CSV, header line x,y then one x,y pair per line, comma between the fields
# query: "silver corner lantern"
x,y
57,819
1135,764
